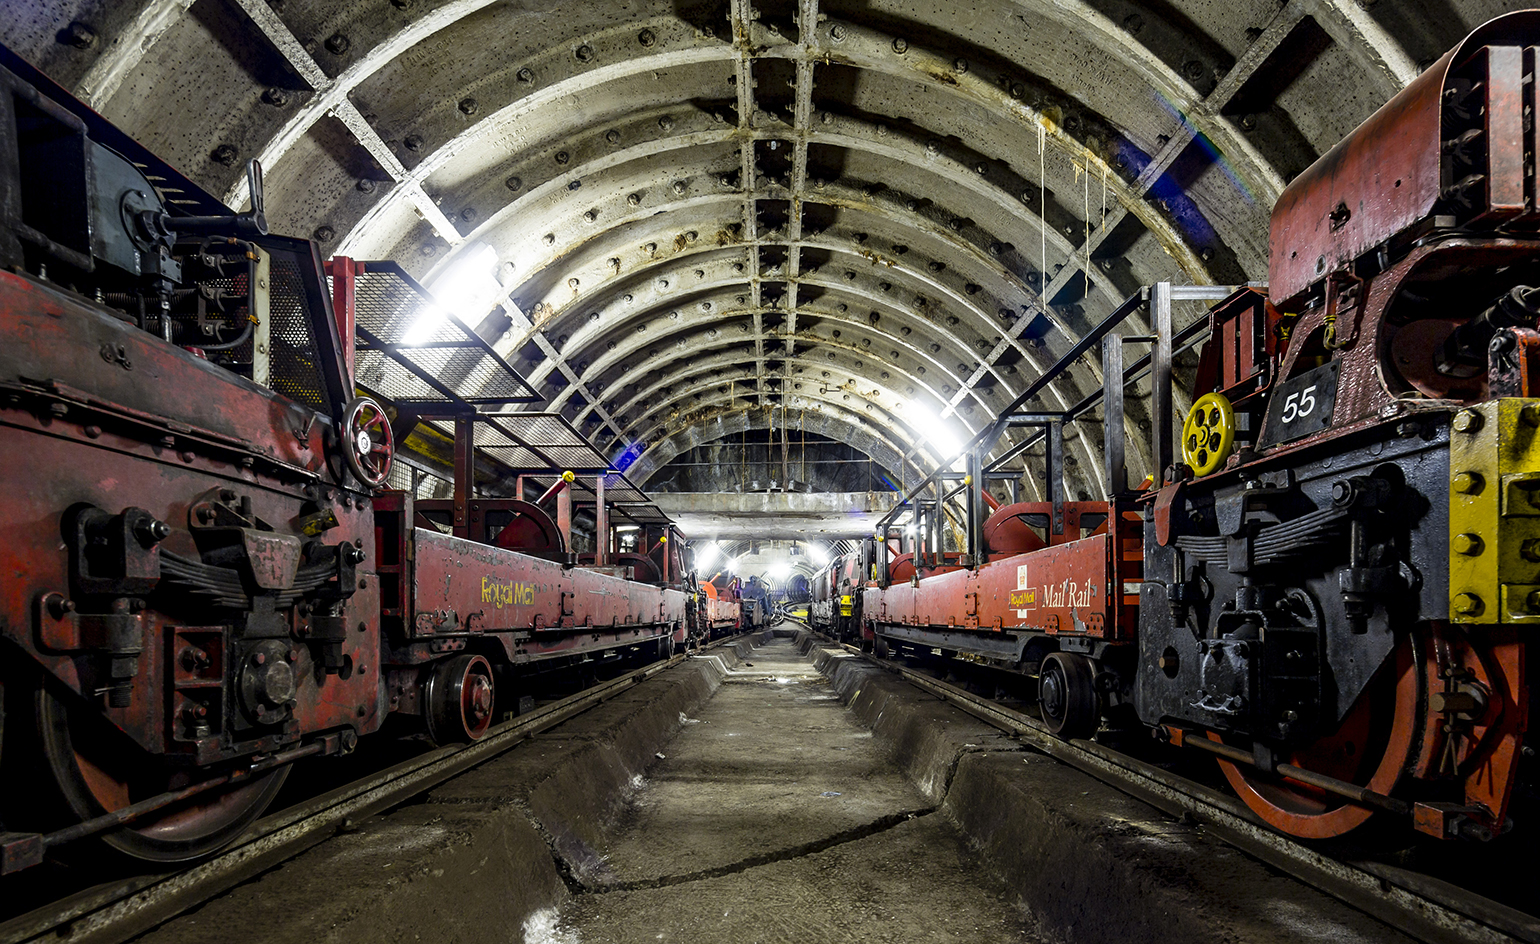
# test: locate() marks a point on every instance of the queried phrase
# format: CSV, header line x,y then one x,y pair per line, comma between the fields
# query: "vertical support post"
x,y
1160,380
262,331
1055,461
344,297
601,524
1015,486
938,517
973,496
564,516
465,473
1114,433
518,488
785,453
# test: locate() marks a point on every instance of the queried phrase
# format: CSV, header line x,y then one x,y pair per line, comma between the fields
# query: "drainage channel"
x,y
775,815
1424,908
119,910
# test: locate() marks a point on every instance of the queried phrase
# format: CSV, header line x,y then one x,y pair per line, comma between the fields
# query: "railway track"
x,y
1427,908
119,910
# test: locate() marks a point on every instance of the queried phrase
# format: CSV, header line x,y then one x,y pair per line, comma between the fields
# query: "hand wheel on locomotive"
x,y
368,444
1208,434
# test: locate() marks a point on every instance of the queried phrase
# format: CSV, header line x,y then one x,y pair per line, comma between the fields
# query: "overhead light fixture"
x,y
818,554
466,288
706,553
779,571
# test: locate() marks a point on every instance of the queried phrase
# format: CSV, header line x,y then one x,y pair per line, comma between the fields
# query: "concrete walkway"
x,y
773,816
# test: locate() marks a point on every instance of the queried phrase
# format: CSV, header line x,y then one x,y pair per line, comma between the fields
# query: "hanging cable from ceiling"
x,y
1104,200
1086,271
1042,203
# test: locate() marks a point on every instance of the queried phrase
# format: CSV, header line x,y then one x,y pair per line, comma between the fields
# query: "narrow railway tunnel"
x,y
688,221
1104,429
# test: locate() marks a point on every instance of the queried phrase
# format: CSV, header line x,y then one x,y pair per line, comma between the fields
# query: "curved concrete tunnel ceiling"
x,y
878,220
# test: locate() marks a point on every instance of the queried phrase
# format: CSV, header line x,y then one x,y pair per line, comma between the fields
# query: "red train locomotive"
x,y
1328,587
721,611
836,595
207,575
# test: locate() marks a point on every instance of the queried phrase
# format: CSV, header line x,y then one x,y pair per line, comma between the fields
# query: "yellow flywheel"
x,y
1208,435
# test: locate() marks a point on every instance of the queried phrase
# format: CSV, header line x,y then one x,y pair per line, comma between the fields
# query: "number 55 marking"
x,y
1299,404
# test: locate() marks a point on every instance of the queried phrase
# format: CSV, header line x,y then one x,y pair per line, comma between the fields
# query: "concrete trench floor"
x,y
774,816
773,790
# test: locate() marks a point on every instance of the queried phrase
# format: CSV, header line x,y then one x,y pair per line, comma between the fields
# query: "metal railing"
x,y
931,512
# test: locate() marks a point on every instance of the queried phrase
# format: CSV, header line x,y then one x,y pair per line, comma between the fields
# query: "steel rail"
x,y
117,911
1424,907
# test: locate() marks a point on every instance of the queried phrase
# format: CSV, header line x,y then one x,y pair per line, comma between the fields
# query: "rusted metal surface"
x,y
1380,362
1079,587
344,274
1392,172
1426,907
86,430
531,608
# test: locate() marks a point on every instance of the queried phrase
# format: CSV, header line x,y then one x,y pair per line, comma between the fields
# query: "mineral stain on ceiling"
x,y
873,220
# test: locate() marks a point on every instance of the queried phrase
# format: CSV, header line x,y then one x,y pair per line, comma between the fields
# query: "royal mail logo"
x,y
1024,597
502,594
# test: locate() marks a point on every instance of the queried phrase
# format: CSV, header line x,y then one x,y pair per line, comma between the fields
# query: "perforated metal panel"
x,y
294,363
295,373
414,353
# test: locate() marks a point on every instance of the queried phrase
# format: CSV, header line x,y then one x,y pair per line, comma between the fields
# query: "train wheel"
x,y
97,770
459,698
1066,694
1376,741
880,647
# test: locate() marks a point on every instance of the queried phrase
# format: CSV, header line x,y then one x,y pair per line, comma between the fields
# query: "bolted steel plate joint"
x,y
1468,483
1470,545
1467,421
1468,604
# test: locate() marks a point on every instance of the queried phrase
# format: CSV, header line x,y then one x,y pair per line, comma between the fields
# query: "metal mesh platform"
x,y
537,441
541,446
641,514
414,353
